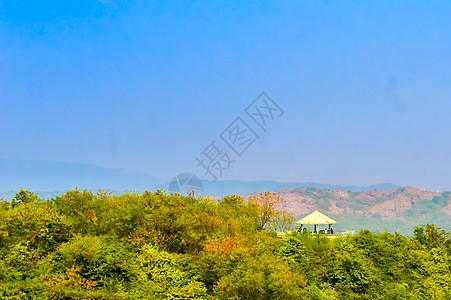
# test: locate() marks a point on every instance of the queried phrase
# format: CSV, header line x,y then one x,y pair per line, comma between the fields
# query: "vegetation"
x,y
365,210
82,245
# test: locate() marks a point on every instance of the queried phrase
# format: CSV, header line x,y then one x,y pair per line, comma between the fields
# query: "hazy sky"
x,y
148,85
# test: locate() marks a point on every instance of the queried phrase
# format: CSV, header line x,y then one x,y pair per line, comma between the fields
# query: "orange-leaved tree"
x,y
267,203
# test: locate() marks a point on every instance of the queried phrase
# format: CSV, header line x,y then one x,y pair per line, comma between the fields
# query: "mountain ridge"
x,y
399,209
61,176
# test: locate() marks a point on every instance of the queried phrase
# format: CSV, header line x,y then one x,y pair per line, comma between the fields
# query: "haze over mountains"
x,y
51,176
62,176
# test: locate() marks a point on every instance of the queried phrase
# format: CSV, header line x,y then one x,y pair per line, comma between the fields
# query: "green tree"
x,y
282,221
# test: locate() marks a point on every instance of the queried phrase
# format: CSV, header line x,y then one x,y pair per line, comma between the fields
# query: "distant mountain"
x,y
51,176
238,187
61,176
398,209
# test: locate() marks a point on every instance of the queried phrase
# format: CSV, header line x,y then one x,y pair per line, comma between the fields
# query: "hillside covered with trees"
x,y
82,245
399,209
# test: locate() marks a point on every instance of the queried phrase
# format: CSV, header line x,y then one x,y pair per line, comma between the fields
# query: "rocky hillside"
x,y
403,205
384,204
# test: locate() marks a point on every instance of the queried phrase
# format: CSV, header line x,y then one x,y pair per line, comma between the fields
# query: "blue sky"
x,y
147,85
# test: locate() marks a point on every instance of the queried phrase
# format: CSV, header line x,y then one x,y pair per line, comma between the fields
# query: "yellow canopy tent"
x,y
316,218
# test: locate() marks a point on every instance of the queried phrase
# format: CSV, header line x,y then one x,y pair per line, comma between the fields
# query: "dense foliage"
x,y
158,246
